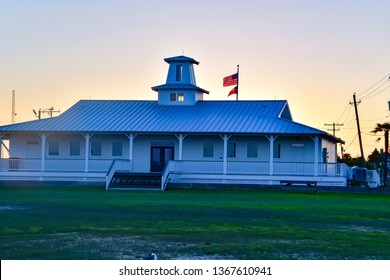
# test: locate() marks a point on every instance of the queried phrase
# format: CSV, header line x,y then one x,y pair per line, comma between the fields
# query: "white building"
x,y
180,137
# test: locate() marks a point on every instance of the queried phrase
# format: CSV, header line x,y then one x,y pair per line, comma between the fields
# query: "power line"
x,y
351,142
373,120
346,107
368,134
371,95
387,76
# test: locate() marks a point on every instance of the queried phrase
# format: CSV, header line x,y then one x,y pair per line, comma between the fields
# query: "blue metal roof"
x,y
206,117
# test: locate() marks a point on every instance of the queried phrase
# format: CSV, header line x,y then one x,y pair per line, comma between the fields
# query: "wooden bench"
x,y
307,185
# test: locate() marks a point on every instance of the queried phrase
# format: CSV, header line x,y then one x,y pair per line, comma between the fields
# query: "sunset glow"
x,y
315,54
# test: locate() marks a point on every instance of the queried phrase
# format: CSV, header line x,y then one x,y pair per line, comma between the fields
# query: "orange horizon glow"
x,y
314,54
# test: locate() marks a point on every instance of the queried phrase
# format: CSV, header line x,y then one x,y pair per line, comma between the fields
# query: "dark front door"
x,y
159,157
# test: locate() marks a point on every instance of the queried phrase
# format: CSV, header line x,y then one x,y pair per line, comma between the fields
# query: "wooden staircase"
x,y
135,181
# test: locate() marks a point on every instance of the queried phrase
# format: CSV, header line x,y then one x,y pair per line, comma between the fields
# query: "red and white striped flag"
x,y
231,80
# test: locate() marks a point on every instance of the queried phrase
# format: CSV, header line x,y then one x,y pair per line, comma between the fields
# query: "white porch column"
x,y
271,139
225,138
181,138
316,154
131,137
87,137
43,151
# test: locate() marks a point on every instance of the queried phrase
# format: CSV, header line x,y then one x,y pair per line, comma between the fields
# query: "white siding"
x,y
142,146
295,149
18,145
331,151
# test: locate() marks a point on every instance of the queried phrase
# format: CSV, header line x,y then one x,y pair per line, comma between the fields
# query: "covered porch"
x,y
188,160
179,171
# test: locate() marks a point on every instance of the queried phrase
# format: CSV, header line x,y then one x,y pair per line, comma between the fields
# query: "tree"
x,y
374,160
383,127
351,161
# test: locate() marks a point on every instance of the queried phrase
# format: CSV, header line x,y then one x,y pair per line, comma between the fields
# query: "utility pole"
x,y
355,103
334,127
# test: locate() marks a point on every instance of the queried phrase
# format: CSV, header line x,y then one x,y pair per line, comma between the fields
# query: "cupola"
x,y
180,88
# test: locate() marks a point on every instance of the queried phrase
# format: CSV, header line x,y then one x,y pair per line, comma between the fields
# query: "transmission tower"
x,y
13,113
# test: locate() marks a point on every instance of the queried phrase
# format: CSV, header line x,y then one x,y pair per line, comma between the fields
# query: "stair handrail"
x,y
113,168
169,168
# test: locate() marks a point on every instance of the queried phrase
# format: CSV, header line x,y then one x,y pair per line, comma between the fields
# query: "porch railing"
x,y
255,168
248,167
60,165
15,164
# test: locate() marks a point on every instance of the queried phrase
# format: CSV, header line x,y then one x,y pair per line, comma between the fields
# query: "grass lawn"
x,y
90,223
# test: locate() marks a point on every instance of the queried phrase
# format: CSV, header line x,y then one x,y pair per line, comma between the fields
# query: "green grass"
x,y
90,223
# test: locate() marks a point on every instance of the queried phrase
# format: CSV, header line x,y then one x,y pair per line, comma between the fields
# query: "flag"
x,y
230,80
233,91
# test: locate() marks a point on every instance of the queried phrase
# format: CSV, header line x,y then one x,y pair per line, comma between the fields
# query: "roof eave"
x,y
179,87
181,58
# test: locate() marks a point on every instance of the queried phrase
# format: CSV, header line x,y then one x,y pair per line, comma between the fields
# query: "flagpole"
x,y
238,78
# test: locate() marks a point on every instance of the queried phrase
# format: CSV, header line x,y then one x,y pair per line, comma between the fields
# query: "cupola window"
x,y
179,72
180,97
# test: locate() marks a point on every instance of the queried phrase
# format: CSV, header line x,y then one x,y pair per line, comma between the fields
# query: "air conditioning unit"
x,y
359,174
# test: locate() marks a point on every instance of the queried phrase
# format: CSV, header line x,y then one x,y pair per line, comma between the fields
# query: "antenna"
x,y
13,113
37,114
50,111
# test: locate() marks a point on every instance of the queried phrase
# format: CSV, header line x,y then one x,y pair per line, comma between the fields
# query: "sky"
x,y
314,54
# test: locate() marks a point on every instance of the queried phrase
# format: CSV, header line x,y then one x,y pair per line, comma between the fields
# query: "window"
x,y
180,97
117,149
54,148
179,72
231,150
172,97
208,149
277,150
251,151
325,155
96,148
74,149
